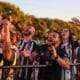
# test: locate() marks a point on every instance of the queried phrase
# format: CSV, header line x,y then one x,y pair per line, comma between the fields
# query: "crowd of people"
x,y
58,51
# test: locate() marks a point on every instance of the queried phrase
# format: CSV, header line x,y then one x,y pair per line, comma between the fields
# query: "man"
x,y
26,50
51,53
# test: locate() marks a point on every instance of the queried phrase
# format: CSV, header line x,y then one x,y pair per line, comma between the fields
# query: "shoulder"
x,y
77,50
21,40
42,47
61,52
33,42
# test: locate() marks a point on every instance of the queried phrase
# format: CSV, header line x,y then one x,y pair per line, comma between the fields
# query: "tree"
x,y
21,20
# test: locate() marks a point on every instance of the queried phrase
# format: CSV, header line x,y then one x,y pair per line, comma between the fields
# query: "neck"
x,y
65,40
57,44
27,38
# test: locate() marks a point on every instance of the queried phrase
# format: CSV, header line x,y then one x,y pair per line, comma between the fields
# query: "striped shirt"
x,y
31,46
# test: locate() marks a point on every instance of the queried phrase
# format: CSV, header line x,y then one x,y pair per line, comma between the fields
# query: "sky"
x,y
61,9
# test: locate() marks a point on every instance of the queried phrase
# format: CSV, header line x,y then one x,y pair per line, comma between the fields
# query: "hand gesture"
x,y
25,53
54,53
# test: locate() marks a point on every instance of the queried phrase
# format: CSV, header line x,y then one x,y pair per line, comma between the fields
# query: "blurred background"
x,y
45,15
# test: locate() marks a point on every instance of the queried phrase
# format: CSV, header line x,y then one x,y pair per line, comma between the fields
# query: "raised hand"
x,y
7,52
54,53
25,53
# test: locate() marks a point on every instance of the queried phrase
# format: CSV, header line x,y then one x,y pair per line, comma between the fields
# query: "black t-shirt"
x,y
52,72
75,44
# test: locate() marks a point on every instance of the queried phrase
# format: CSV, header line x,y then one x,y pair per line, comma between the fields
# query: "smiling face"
x,y
53,38
29,31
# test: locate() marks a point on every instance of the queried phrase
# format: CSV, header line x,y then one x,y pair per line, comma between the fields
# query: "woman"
x,y
67,46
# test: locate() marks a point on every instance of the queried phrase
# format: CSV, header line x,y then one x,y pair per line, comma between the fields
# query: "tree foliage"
x,y
41,24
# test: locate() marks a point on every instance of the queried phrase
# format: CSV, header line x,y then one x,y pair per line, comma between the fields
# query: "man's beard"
x,y
27,33
51,43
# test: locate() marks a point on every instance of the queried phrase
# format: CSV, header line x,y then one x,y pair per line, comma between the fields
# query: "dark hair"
x,y
70,36
57,33
28,25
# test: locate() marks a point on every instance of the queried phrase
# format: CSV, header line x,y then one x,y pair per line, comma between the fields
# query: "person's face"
x,y
65,33
53,38
29,31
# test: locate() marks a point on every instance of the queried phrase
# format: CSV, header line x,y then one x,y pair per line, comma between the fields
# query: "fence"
x,y
33,66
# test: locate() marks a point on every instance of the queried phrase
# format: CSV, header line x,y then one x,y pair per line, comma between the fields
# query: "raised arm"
x,y
7,52
63,62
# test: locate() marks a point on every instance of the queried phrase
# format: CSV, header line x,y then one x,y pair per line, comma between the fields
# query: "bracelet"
x,y
56,57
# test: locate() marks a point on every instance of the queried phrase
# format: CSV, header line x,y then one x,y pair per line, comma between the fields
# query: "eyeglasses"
x,y
65,30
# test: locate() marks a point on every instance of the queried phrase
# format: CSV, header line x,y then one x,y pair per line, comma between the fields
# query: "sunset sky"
x,y
62,9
